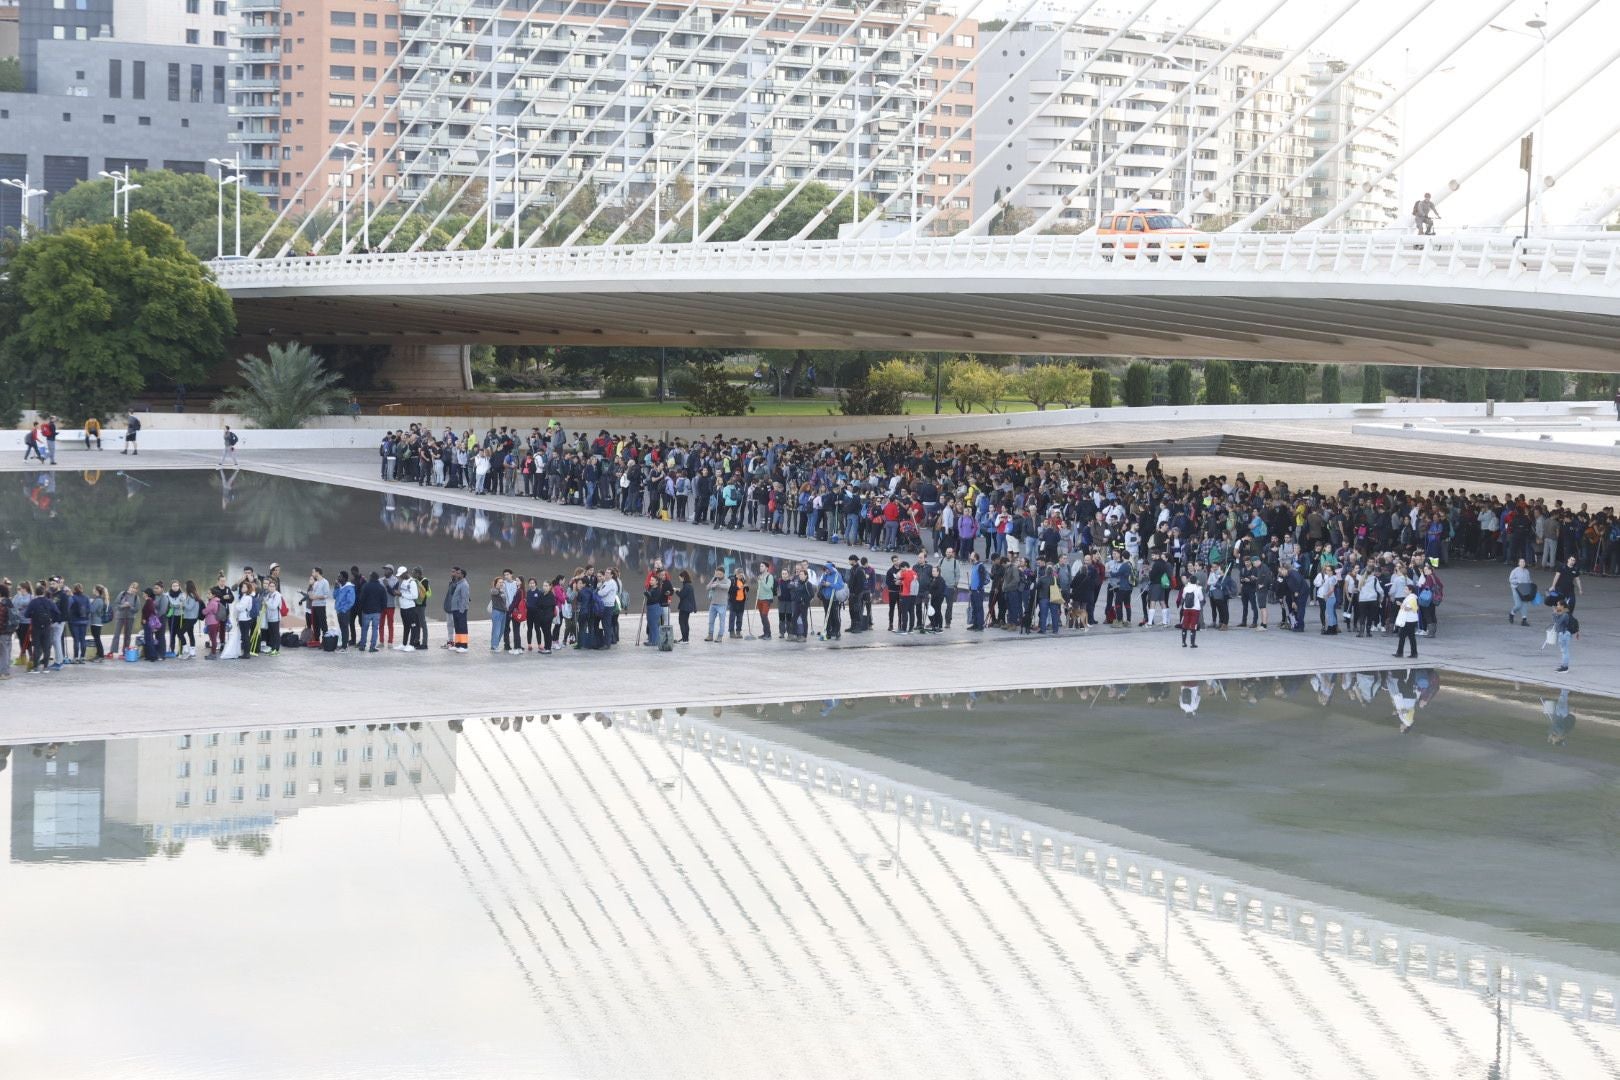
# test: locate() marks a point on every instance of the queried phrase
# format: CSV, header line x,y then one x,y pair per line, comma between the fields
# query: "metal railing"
x,y
1587,263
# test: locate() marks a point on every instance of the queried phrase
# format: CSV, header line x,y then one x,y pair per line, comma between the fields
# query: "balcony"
x,y
238,6
259,83
269,55
255,31
267,109
256,138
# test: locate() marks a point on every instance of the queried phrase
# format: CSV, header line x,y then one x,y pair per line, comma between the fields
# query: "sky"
x,y
1495,105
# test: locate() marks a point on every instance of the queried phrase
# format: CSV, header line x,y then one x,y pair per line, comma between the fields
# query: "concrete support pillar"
x,y
416,369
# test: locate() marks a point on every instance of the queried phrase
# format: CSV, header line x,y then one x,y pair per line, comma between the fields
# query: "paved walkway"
x,y
315,687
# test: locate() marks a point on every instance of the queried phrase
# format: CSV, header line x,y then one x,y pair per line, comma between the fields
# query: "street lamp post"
x,y
907,88
860,121
1537,27
24,192
359,161
233,163
502,141
690,115
121,188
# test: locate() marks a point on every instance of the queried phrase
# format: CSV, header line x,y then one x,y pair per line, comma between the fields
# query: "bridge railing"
x,y
1589,262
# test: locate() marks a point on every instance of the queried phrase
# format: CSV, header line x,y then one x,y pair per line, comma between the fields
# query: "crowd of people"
x,y
1024,543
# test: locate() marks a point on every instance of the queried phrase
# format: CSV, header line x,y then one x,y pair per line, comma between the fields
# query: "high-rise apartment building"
x,y
611,101
112,85
1108,101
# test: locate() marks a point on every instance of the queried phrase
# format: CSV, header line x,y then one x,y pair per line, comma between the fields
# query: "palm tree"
x,y
283,391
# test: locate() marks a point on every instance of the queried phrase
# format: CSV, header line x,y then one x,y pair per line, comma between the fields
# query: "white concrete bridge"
x,y
1477,300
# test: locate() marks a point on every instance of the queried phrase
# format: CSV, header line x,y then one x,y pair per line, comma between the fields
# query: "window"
x,y
341,73
211,740
174,82
314,787
315,758
340,45
264,762
369,74
340,101
193,7
262,792
238,765
346,18
115,78
390,22
369,48
368,753
289,790
342,755
193,37
265,736
67,118
182,798
335,127
369,21
137,80
219,39
219,84
220,8
211,767
237,793
390,779
196,84
59,33
211,796
289,760
182,770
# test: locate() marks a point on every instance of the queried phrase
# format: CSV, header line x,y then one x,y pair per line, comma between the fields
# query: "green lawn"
x,y
793,407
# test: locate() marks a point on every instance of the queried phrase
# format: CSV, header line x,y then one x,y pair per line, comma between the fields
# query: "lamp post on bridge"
x,y
688,114
503,140
24,192
1536,26
233,163
359,161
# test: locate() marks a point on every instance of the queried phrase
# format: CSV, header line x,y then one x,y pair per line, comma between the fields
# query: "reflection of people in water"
x,y
1559,722
1403,697
226,487
1190,698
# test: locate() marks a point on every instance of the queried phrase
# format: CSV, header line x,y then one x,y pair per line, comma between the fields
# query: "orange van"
x,y
1152,230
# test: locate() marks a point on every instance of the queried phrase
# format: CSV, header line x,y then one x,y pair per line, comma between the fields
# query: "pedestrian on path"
x,y
1565,628
1522,588
1406,624
230,447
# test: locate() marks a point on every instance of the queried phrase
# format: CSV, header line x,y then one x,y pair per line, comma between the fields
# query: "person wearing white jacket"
x,y
408,599
1192,609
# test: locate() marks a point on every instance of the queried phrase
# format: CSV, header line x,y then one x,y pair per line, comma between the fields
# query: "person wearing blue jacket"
x,y
834,594
371,600
978,584
343,601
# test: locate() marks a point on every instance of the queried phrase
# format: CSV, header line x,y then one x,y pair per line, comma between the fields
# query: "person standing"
x,y
657,595
125,611
686,604
271,606
1406,624
408,593
42,615
48,429
950,575
1565,627
230,446
1192,609
764,597
320,599
371,600
390,583
457,598
131,429
1522,589
343,604
717,589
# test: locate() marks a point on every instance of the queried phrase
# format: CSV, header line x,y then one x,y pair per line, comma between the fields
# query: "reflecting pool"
x,y
111,527
813,889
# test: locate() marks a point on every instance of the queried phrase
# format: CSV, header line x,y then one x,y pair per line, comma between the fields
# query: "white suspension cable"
x,y
632,168
1384,106
1463,109
1598,216
348,129
882,151
810,128
1096,120
576,35
1317,99
1029,119
1515,133
804,85
1541,187
408,128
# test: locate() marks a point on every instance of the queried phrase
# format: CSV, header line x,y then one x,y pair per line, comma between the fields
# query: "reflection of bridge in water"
x,y
757,887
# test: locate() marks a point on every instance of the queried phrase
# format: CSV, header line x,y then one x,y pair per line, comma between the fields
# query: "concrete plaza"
x,y
1475,637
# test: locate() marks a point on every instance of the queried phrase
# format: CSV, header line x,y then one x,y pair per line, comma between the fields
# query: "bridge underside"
x,y
1274,327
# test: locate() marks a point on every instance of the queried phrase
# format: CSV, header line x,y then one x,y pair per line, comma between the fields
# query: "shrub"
x,y
1258,391
1474,384
1513,386
1138,385
1178,384
622,385
714,394
1330,384
1372,384
1550,386
1102,390
1217,383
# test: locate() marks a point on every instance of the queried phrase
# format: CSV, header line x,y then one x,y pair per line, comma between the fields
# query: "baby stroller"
x,y
911,541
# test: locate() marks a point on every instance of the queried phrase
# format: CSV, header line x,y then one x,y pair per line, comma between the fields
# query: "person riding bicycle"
x,y
1425,213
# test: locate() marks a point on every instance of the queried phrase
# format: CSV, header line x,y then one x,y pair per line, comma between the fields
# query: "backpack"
x,y
1574,624
11,620
1189,601
230,439
134,423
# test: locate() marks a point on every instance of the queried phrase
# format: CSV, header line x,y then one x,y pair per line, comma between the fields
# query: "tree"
x,y
893,380
1102,392
742,216
1258,391
283,389
974,382
98,314
1330,384
1291,384
1513,386
1372,385
1138,384
11,80
714,394
1178,384
1474,380
1044,384
1217,383
1591,386
187,202
1550,386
